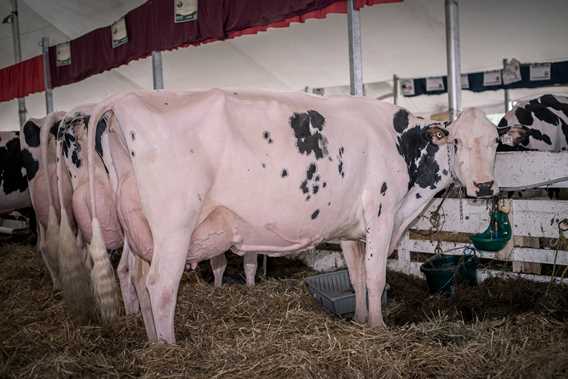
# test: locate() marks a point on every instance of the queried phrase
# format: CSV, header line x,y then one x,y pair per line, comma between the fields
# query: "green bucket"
x,y
444,272
497,234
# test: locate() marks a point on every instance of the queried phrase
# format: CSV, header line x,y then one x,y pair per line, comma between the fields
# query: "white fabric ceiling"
x,y
407,39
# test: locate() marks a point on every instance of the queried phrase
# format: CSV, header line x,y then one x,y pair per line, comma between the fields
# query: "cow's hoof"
x,y
360,318
377,323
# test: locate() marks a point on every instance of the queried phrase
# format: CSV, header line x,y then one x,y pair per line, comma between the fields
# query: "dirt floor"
x,y
276,330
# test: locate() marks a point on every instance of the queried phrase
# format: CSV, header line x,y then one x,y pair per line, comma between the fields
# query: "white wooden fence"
x,y
534,222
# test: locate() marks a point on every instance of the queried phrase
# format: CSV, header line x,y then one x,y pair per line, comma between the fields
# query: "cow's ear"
x,y
437,135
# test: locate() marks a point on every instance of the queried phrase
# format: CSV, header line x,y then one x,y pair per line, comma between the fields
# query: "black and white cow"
x,y
537,124
38,148
14,192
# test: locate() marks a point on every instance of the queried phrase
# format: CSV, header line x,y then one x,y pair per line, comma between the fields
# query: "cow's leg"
x,y
51,244
138,275
250,263
379,232
166,269
127,288
218,266
354,254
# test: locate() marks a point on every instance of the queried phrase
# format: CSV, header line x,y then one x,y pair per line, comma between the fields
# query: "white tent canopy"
x,y
407,39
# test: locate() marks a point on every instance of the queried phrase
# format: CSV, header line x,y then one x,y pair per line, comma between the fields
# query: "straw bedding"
x,y
500,329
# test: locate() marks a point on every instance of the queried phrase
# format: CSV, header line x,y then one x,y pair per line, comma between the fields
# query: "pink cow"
x,y
38,145
75,228
278,173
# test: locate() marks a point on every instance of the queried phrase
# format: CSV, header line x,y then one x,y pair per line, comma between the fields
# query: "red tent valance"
x,y
21,79
151,27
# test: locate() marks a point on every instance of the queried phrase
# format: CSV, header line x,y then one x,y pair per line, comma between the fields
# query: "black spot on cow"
x,y
380,210
415,146
11,164
31,134
418,196
315,214
445,172
132,153
54,128
308,128
502,124
329,204
132,136
30,164
101,127
75,158
311,170
304,186
552,102
324,184
384,188
400,121
70,145
284,173
310,184
264,165
266,136
524,116
340,169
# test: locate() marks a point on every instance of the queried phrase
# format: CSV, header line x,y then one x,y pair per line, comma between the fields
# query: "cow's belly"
x,y
280,221
222,228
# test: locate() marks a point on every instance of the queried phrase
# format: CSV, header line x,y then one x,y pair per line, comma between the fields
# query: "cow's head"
x,y
513,135
475,141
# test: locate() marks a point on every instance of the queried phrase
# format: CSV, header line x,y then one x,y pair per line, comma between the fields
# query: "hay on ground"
x,y
500,329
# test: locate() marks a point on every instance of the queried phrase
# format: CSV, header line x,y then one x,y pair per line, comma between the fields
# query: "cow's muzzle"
x,y
485,189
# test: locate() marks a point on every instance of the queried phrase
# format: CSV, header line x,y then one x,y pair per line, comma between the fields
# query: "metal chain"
x,y
558,244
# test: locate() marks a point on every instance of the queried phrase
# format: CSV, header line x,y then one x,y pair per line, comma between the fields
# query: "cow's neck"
x,y
428,184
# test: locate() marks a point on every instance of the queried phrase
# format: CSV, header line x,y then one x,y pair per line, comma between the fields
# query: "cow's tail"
x,y
52,231
75,280
102,275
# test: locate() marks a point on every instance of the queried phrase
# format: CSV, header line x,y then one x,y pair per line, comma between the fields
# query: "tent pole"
x,y
18,56
395,89
453,57
507,97
355,56
157,70
47,75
